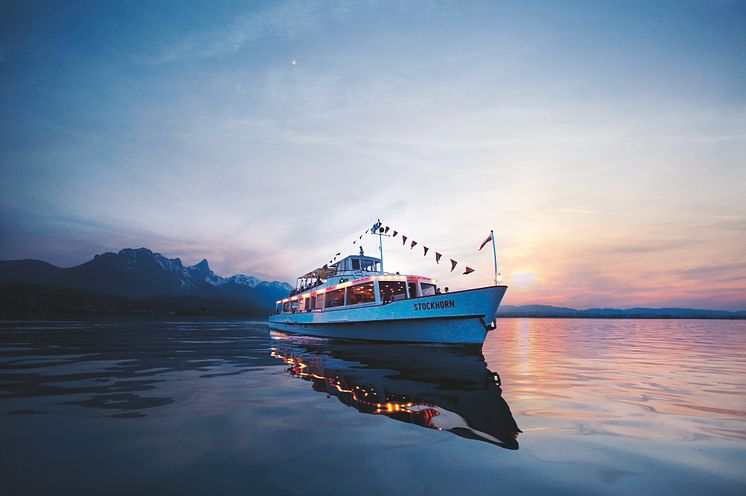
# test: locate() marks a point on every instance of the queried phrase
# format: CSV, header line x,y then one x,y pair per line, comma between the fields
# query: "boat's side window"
x,y
294,306
335,298
412,289
286,306
311,303
355,264
427,289
392,291
362,293
319,305
278,308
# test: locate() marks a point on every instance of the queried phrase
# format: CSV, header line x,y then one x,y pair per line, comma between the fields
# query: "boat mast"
x,y
380,243
494,252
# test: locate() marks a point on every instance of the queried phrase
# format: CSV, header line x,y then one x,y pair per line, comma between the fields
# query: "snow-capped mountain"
x,y
138,273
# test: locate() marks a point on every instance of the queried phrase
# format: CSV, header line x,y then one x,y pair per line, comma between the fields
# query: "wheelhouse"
x,y
358,263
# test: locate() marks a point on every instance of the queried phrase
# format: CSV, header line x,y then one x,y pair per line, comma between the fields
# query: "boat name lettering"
x,y
433,305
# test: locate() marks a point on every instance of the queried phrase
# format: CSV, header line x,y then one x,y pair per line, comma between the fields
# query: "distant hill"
x,y
617,313
136,275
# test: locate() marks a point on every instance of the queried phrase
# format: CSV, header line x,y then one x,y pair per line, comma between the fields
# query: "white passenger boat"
x,y
355,299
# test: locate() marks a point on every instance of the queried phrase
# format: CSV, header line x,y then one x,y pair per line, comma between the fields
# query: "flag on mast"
x,y
489,238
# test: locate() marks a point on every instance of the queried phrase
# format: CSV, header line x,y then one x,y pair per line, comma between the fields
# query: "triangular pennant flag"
x,y
489,238
453,264
403,240
414,243
361,237
354,242
338,254
426,248
468,270
386,230
437,257
395,233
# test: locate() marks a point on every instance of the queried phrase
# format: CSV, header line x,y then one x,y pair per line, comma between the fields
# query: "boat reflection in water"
x,y
438,387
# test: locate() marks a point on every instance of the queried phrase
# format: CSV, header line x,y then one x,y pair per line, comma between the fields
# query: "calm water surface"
x,y
549,406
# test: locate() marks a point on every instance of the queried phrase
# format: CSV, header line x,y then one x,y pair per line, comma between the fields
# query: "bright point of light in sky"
x,y
603,142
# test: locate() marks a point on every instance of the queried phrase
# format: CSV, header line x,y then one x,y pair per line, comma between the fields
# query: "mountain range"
x,y
140,275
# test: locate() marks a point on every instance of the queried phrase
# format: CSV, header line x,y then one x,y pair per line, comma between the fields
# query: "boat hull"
x,y
459,317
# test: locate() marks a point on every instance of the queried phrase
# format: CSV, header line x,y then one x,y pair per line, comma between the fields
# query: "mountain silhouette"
x,y
143,274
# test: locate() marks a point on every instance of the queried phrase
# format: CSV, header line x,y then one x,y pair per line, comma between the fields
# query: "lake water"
x,y
549,406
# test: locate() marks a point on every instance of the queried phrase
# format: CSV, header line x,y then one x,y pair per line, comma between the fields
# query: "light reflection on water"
x,y
653,379
437,387
605,406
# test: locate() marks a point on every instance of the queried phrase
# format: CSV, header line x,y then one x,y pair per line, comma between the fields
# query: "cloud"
x,y
289,20
726,272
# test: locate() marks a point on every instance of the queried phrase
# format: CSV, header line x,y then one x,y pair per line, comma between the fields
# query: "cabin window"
x,y
278,308
355,264
392,291
319,305
311,303
362,293
369,266
412,289
286,306
427,289
335,298
294,306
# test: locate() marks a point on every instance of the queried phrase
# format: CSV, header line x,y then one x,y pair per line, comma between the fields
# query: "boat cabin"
x,y
353,282
354,265
358,263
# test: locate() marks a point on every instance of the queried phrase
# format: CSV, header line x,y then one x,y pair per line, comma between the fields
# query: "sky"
x,y
603,142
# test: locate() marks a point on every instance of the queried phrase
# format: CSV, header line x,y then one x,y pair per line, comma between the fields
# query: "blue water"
x,y
549,406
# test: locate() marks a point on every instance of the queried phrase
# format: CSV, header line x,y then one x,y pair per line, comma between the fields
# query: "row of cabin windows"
x,y
362,293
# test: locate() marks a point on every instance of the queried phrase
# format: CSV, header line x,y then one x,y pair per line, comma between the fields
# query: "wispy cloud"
x,y
277,21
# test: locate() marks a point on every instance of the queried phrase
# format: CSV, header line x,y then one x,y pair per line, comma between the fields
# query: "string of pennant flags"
x,y
379,228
